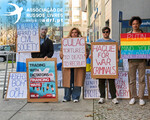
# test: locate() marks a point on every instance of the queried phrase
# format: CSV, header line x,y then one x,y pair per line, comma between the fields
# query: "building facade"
x,y
76,18
102,13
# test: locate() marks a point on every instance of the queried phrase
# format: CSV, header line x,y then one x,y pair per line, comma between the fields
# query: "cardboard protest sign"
x,y
135,45
148,85
42,80
122,86
74,51
28,37
17,86
91,89
104,60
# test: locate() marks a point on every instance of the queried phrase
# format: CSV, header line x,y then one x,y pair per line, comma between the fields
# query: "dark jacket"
x,y
46,49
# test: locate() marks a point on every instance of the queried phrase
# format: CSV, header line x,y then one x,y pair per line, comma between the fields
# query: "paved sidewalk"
x,y
84,110
121,111
21,110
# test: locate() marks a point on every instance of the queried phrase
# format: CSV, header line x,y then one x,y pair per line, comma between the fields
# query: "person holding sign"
x,y
106,38
135,64
73,78
46,45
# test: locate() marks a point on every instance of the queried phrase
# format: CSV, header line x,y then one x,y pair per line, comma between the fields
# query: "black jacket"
x,y
46,49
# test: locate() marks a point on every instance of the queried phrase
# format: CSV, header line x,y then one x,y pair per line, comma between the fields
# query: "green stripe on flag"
x,y
139,47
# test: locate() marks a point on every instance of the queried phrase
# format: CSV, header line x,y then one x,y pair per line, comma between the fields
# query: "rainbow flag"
x,y
135,45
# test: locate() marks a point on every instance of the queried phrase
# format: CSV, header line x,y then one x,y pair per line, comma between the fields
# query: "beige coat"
x,y
79,74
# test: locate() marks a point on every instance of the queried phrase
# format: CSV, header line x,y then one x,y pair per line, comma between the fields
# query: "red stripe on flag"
x,y
135,35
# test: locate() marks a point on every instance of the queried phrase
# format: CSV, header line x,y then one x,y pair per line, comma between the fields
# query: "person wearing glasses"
x,y
136,64
112,87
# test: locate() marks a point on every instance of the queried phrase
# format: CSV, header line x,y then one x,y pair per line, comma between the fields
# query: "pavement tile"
x,y
121,111
83,105
52,115
5,115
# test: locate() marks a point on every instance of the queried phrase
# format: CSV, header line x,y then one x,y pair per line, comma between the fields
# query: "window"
x,y
66,17
107,23
77,17
76,8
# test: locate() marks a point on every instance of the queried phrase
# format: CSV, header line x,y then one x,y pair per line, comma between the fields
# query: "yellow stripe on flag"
x,y
135,43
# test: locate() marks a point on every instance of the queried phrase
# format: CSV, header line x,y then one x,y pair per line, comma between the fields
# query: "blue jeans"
x,y
74,91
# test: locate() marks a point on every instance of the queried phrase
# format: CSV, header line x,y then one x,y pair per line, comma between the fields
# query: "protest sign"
x,y
122,86
125,65
135,45
104,60
42,80
148,85
74,51
28,37
17,86
91,89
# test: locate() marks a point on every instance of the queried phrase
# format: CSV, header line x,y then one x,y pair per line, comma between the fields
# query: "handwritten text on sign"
x,y
28,37
137,82
104,60
17,85
122,86
91,89
135,45
74,52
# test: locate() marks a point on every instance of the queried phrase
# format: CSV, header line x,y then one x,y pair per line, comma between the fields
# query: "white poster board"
x,y
125,65
122,86
147,71
27,37
104,60
17,86
74,51
91,89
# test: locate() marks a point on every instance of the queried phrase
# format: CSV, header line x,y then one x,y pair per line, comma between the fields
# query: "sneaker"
x,y
132,101
141,102
75,100
115,101
64,100
101,101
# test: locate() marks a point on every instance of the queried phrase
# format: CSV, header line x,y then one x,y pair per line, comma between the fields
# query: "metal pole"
x,y
5,76
119,33
12,62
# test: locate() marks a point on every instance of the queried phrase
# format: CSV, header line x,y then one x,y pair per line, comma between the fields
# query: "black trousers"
x,y
112,88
